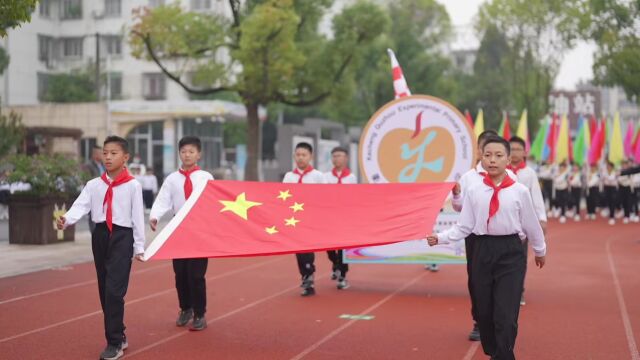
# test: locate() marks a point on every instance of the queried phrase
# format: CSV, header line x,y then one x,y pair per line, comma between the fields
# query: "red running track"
x,y
582,305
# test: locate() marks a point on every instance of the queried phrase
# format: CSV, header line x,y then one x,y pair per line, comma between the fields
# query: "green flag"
x,y
580,146
538,143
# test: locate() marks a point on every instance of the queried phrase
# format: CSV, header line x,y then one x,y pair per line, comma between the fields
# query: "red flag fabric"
x,y
237,218
467,115
507,128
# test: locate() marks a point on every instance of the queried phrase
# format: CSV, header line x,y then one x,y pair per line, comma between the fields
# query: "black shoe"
x,y
199,323
335,274
125,344
111,352
183,317
474,335
308,291
307,286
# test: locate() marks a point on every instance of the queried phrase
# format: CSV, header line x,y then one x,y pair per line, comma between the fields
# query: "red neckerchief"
x,y
517,168
122,178
303,173
188,185
494,205
345,172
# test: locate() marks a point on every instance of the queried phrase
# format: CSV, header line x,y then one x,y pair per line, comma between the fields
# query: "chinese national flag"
x,y
235,218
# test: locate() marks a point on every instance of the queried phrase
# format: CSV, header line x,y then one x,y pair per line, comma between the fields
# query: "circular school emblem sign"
x,y
416,138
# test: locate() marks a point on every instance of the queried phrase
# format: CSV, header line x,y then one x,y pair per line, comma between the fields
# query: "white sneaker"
x,y
635,218
556,213
593,216
576,218
604,213
625,220
563,219
549,214
619,215
612,222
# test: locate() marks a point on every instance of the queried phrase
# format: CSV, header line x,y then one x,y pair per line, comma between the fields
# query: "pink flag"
x,y
628,140
400,86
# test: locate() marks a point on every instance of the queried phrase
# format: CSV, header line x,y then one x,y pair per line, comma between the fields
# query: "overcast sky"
x,y
576,64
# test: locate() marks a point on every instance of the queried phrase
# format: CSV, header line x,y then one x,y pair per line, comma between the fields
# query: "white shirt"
x,y
171,195
575,180
635,180
545,172
610,178
561,180
594,180
515,216
127,208
624,180
149,182
313,177
329,178
467,180
528,178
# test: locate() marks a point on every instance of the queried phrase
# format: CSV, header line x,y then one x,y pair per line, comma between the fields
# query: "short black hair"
x,y
190,140
497,140
485,134
96,147
124,144
339,149
518,140
305,145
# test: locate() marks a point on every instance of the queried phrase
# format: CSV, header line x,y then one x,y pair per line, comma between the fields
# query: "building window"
x,y
112,8
45,8
156,3
71,9
45,48
43,84
115,86
72,47
112,44
153,86
86,148
200,4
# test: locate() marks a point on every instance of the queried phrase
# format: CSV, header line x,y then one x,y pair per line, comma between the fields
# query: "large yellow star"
x,y
284,195
271,230
240,206
291,222
297,207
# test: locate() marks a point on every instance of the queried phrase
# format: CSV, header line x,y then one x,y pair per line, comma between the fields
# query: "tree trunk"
x,y
253,142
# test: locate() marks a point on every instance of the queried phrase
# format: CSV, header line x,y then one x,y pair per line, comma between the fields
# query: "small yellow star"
x,y
284,195
271,230
291,222
297,207
240,206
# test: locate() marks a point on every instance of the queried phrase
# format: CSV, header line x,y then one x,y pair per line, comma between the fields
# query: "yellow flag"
x,y
478,128
616,152
523,129
562,145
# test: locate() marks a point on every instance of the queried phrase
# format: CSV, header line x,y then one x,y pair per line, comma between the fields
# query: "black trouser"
x,y
338,265
468,248
112,254
562,197
497,279
626,196
147,198
634,201
191,284
547,191
306,263
576,195
611,200
592,199
92,225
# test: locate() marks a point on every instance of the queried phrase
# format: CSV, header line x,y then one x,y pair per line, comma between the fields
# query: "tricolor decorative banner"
x,y
234,218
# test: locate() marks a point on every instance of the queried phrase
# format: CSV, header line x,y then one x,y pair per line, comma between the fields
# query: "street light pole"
x,y
97,75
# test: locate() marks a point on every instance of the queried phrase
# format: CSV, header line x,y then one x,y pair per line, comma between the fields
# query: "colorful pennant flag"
x,y
616,151
478,127
523,129
400,87
562,144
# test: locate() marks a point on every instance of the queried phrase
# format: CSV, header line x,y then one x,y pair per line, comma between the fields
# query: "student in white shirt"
x,y
545,173
610,184
593,190
304,173
575,186
635,181
527,177
149,187
467,181
500,213
561,188
189,273
115,203
340,174
625,191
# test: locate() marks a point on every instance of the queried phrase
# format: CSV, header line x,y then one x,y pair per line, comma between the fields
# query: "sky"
x,y
576,64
